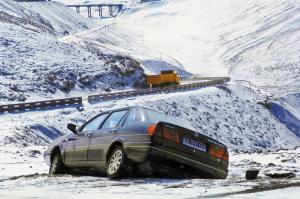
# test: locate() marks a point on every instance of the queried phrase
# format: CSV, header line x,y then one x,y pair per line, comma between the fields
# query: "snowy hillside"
x,y
229,115
42,56
255,40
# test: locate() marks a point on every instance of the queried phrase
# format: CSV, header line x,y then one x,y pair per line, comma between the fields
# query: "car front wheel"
x,y
115,164
57,166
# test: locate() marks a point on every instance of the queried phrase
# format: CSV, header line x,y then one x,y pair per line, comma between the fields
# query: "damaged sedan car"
x,y
138,141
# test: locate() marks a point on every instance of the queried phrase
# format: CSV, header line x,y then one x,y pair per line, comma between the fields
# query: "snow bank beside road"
x,y
233,118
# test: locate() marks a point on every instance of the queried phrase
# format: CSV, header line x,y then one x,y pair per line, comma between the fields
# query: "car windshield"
x,y
155,116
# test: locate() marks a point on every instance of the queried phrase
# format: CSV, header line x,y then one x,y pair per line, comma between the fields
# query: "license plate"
x,y
194,144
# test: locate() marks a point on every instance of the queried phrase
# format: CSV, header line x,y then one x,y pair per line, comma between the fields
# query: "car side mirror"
x,y
72,127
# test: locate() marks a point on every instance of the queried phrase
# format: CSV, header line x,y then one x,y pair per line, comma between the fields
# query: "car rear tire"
x,y
115,166
57,166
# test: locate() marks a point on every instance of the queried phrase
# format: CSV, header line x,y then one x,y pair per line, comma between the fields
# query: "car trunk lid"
x,y
190,142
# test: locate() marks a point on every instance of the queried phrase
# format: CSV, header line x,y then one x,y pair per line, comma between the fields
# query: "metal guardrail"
x,y
40,104
109,96
119,95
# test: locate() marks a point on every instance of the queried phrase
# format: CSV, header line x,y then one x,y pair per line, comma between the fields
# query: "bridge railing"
x,y
125,94
99,7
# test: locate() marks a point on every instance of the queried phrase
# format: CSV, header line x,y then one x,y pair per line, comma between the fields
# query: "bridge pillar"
x,y
78,9
89,11
120,8
100,11
110,11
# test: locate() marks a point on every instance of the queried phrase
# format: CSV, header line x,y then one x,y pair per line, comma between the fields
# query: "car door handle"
x,y
113,131
70,139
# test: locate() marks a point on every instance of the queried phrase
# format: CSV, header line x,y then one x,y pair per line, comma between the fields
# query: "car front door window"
x,y
114,119
94,124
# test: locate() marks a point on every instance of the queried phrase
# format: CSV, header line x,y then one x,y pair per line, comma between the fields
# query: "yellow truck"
x,y
165,78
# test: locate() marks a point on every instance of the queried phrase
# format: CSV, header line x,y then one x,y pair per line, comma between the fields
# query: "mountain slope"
x,y
255,40
49,51
36,65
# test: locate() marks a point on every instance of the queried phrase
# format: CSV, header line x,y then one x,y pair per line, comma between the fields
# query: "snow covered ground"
x,y
30,180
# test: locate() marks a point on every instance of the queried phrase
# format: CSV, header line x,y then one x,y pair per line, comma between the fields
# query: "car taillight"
x,y
169,134
225,156
151,129
216,151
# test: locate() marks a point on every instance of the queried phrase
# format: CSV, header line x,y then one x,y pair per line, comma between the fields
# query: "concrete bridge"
x,y
100,7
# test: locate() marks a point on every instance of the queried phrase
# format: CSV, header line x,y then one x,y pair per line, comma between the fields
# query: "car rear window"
x,y
155,116
135,115
138,115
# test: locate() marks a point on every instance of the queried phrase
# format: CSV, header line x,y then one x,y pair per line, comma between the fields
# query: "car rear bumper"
x,y
162,155
167,156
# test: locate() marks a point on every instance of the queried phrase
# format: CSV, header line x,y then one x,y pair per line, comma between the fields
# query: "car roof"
x,y
130,107
118,109
144,107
